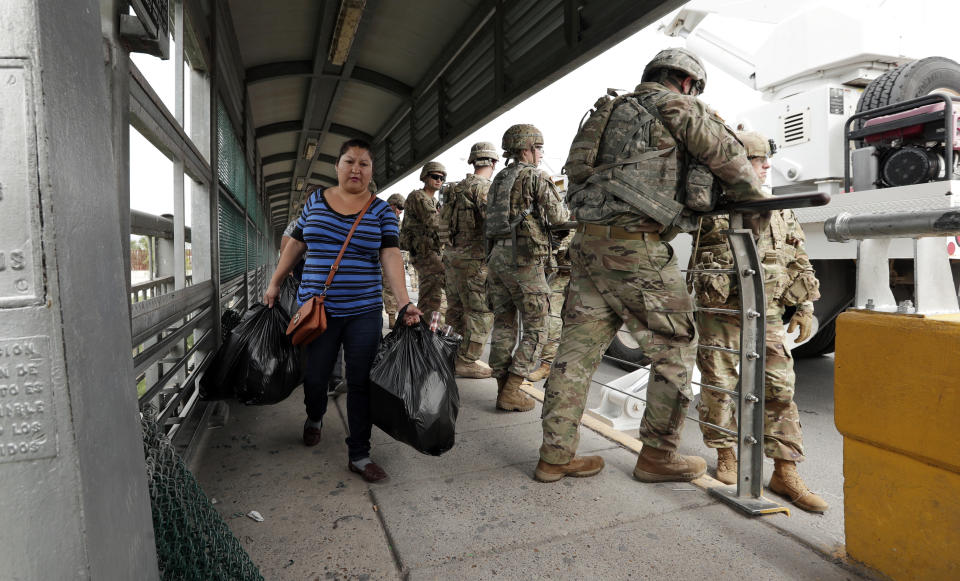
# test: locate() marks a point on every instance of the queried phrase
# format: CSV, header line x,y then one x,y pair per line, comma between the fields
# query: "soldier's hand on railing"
x,y
803,320
271,295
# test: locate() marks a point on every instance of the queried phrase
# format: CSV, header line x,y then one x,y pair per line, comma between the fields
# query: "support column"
x,y
75,502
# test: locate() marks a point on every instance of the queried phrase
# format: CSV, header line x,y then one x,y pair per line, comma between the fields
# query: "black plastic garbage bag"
x,y
257,364
413,392
287,299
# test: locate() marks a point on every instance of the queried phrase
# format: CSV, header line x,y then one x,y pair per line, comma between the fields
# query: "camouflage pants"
x,y
782,435
431,276
389,301
511,290
467,309
410,271
558,292
613,282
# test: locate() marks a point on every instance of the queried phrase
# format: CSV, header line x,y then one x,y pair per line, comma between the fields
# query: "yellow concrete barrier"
x,y
897,396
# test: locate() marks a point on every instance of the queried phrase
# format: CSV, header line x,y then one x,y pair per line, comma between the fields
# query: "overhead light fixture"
x,y
348,21
310,149
299,184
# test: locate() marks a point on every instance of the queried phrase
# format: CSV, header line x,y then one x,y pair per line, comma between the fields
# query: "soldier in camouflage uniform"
x,y
396,202
462,217
625,272
789,281
522,204
419,235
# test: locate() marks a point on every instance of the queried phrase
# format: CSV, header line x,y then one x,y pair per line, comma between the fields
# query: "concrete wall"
x,y
74,503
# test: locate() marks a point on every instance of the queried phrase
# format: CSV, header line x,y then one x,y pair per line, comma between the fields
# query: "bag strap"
x,y
336,263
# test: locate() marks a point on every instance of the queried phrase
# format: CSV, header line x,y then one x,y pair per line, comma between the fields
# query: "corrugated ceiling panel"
x,y
279,99
272,32
404,42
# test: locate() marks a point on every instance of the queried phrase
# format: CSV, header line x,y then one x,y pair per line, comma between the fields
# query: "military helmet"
x,y
483,153
432,167
678,59
756,144
520,137
397,201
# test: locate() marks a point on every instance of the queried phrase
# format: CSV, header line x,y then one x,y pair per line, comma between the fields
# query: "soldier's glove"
x,y
803,320
558,236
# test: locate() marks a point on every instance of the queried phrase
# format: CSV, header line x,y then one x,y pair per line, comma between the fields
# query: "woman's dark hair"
x,y
358,143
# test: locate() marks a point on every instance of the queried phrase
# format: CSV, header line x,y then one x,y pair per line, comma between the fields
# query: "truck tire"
x,y
820,344
910,81
625,348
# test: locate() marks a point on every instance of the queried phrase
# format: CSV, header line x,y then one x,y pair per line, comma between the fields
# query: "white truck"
x,y
819,66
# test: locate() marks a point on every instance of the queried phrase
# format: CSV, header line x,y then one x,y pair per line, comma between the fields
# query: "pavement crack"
x,y
402,571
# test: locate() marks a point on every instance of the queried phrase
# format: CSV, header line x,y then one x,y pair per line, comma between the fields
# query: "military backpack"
x,y
697,189
500,224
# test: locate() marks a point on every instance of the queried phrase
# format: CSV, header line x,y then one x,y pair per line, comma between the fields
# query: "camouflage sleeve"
x,y
478,195
414,210
707,138
797,239
549,198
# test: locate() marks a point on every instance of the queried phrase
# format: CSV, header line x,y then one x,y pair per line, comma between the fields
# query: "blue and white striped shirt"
x,y
357,287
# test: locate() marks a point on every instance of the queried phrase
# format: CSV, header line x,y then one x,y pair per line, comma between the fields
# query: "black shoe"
x,y
311,435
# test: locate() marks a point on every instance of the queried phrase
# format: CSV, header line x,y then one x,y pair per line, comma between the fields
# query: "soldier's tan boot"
x,y
655,465
541,373
726,465
787,482
474,370
512,398
578,467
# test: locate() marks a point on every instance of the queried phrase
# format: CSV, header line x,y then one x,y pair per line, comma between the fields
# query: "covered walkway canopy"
x,y
410,77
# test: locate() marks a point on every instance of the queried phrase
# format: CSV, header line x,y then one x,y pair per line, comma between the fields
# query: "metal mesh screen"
x,y
233,250
193,541
231,163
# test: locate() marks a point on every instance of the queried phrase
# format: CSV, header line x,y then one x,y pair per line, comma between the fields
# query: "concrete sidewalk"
x,y
476,512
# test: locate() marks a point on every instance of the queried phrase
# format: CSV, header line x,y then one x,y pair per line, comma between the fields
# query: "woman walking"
x,y
353,299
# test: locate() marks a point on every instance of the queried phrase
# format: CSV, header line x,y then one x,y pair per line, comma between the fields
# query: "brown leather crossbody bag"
x,y
310,321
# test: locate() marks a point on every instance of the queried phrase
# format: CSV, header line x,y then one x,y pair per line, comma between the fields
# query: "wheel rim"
x,y
946,90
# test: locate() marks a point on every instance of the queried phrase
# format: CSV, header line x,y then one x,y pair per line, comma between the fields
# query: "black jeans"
x,y
360,336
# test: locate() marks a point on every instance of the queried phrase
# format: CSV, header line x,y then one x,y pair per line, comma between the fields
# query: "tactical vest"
x,y
637,168
501,219
460,216
512,212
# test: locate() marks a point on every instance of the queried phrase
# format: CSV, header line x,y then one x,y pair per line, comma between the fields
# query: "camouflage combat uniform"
x,y
521,285
462,218
419,235
623,270
558,281
788,281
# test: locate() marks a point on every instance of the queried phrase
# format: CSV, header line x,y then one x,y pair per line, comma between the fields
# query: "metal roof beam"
x,y
279,127
382,81
347,131
326,90
278,157
270,71
317,90
284,175
295,125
